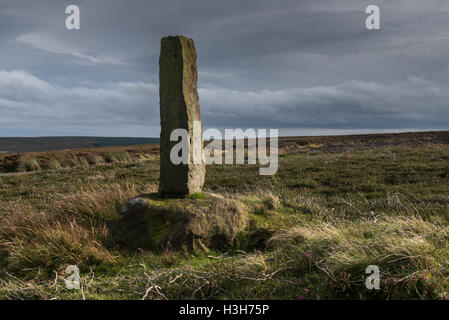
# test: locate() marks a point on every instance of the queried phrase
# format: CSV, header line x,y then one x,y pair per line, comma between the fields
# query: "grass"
x,y
74,158
28,164
314,228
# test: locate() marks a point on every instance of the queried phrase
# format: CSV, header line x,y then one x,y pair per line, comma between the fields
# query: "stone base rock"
x,y
198,222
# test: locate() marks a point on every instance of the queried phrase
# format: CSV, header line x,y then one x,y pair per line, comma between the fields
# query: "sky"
x,y
305,67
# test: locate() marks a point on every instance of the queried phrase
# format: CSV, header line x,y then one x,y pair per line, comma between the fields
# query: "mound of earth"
x,y
199,222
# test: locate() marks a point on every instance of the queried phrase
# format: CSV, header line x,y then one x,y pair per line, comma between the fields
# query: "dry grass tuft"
x,y
73,229
28,164
262,202
351,246
53,164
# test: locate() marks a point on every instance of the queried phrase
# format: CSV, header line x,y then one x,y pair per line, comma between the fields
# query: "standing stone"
x,y
179,108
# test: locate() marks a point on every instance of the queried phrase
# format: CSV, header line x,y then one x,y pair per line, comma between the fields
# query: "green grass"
x,y
314,228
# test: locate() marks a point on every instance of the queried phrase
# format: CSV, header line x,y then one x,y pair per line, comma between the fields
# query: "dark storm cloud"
x,y
302,66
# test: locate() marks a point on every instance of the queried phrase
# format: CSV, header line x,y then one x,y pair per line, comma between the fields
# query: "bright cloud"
x,y
47,43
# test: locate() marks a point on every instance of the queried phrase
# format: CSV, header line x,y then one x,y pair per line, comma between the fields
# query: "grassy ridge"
x,y
315,226
75,158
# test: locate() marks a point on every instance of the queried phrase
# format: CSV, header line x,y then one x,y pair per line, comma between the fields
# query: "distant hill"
x,y
13,145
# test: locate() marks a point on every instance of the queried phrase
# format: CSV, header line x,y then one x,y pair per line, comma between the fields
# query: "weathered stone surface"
x,y
179,107
197,222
